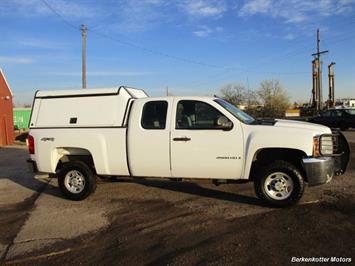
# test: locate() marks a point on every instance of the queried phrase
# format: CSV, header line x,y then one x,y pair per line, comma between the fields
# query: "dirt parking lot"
x,y
160,222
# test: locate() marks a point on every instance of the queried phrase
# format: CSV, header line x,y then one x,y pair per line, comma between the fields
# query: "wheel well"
x,y
69,154
265,156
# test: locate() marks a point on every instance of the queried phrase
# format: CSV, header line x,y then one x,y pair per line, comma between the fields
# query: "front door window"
x,y
197,115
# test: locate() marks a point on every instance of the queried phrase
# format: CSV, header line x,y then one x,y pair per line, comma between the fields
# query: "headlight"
x,y
326,145
323,145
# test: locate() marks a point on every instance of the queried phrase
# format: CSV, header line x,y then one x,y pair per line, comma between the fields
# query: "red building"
x,y
6,113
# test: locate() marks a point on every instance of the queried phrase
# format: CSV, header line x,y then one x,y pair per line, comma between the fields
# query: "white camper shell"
x,y
82,108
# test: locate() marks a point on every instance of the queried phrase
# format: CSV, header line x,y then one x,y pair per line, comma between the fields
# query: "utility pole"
x,y
318,74
331,99
314,84
84,30
167,90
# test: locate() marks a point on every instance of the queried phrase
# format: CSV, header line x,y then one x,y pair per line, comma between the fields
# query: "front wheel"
x,y
280,184
76,180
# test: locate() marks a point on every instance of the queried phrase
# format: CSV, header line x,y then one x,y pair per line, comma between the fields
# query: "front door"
x,y
199,147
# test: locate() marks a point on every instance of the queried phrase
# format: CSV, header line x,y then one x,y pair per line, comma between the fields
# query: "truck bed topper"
x,y
104,107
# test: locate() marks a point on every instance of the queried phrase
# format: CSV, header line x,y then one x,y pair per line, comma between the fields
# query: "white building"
x,y
346,102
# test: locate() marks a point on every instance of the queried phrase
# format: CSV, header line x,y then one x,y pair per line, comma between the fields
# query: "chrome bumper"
x,y
318,170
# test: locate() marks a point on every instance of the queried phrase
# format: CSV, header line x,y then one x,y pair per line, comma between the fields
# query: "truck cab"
x,y
174,127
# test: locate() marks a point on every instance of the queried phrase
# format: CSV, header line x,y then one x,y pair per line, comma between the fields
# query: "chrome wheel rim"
x,y
74,181
278,186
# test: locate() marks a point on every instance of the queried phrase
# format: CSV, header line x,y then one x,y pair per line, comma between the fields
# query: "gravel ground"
x,y
160,222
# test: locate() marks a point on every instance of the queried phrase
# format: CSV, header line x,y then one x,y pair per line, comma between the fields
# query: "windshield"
x,y
244,117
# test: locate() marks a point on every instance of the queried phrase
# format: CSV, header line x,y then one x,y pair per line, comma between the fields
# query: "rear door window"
x,y
154,115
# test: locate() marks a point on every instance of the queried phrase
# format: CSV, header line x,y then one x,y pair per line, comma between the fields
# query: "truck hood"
x,y
299,124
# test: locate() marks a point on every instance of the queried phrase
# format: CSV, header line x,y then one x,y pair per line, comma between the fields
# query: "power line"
x,y
163,54
149,50
58,15
132,44
283,58
231,68
231,72
169,56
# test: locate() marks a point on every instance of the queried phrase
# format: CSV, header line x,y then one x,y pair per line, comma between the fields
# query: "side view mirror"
x,y
224,123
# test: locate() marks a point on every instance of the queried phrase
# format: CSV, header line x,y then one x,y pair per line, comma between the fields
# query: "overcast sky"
x,y
192,46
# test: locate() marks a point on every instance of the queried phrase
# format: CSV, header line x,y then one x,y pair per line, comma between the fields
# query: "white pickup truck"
x,y
81,134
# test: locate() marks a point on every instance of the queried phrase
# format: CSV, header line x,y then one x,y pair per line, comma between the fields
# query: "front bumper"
x,y
32,166
318,170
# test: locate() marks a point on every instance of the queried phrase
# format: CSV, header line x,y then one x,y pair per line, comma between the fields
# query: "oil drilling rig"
x,y
317,104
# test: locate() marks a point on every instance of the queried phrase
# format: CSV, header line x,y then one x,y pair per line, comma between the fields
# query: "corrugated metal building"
x,y
6,113
22,117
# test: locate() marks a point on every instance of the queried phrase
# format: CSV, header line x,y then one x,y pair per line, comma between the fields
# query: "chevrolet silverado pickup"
x,y
78,135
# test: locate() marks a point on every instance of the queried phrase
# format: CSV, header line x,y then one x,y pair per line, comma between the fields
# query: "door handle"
x,y
182,139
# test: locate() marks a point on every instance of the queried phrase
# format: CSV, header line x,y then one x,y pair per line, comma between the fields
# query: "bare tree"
x,y
274,98
251,98
233,93
271,100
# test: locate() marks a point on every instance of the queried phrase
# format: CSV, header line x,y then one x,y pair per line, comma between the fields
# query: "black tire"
x,y
79,171
291,174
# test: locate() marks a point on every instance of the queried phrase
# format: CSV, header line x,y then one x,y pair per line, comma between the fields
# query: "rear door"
x,y
199,147
148,138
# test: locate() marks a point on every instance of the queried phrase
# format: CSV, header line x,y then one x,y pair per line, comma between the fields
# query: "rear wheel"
x,y
76,180
279,184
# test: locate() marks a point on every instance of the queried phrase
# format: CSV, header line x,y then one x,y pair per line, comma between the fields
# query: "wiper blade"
x,y
265,122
